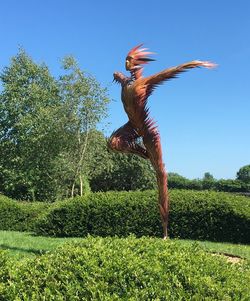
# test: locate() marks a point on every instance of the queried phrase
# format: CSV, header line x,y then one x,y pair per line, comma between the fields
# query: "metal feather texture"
x,y
135,92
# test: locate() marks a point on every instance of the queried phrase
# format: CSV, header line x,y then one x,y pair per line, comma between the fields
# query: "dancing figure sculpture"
x,y
140,135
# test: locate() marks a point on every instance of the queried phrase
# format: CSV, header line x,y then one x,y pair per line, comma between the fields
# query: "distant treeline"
x,y
208,183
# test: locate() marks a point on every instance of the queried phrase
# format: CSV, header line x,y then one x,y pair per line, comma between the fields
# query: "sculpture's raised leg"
x,y
124,140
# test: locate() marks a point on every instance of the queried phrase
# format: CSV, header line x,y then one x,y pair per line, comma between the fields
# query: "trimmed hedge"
x,y
103,214
202,215
124,269
19,216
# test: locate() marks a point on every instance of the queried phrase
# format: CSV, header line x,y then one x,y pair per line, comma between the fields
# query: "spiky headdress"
x,y
139,56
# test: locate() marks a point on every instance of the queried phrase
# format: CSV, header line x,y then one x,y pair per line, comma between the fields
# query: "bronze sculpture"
x,y
135,92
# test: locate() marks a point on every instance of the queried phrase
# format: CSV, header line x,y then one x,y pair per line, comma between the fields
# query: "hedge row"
x,y
202,215
19,216
194,215
124,269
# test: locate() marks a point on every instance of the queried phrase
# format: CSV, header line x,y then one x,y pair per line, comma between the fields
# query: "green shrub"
x,y
231,186
126,269
196,215
10,213
210,216
4,272
19,216
103,214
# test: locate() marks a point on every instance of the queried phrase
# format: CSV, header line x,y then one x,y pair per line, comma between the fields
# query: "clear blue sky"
x,y
203,116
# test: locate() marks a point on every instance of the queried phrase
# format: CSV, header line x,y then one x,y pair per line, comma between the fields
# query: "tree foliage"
x,y
244,174
208,182
124,172
44,127
29,125
108,170
86,104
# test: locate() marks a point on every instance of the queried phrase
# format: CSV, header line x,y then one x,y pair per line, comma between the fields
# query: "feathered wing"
x,y
154,80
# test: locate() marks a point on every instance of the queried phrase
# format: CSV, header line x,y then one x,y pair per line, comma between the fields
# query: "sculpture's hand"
x,y
119,77
206,64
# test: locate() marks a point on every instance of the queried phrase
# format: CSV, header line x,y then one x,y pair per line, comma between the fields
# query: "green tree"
x,y
229,185
208,181
86,104
98,158
131,172
208,176
45,129
244,174
121,172
177,181
29,124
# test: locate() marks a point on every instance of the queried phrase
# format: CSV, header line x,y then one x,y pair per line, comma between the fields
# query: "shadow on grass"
x,y
24,250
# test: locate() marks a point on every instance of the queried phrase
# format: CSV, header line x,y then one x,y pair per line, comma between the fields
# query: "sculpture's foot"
x,y
165,231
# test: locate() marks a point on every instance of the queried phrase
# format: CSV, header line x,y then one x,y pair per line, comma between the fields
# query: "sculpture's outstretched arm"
x,y
170,73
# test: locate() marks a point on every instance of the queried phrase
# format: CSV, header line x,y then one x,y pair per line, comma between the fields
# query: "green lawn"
x,y
242,251
22,244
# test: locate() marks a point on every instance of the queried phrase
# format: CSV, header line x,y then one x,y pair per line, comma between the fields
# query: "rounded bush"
x,y
11,215
19,216
193,214
126,269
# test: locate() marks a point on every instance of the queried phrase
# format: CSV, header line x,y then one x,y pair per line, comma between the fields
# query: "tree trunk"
x,y
72,190
82,150
81,185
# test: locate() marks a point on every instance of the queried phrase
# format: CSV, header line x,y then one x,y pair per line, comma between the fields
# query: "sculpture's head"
x,y
137,57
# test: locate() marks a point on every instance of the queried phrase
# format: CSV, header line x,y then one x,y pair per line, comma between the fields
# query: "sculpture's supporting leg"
x,y
153,145
163,199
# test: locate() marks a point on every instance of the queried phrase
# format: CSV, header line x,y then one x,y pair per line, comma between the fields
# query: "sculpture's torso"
x,y
133,97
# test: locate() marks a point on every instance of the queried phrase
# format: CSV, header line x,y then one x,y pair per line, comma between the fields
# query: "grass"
x,y
23,244
237,250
